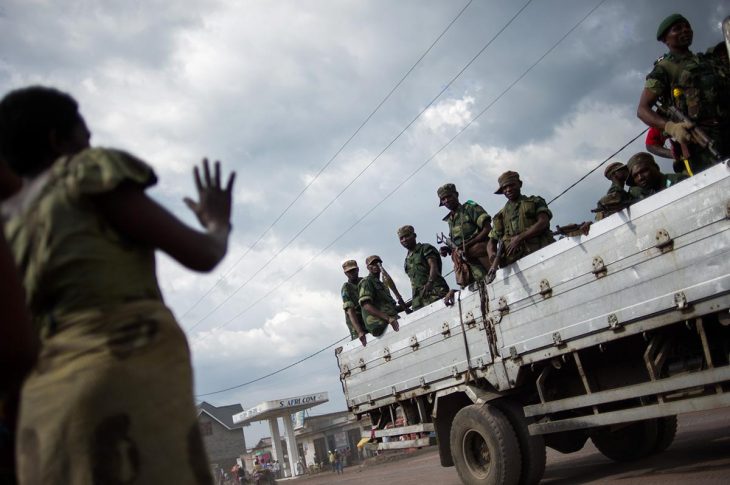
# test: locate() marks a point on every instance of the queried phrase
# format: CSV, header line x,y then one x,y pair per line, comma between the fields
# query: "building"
x,y
224,440
332,431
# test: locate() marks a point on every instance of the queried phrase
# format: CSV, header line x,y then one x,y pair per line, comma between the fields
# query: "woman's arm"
x,y
141,219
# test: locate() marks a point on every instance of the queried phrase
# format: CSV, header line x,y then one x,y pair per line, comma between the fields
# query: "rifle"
x,y
450,245
698,135
391,285
495,264
572,229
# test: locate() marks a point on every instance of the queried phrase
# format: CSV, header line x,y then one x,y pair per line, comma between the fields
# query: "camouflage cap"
x,y
371,259
667,23
406,231
613,168
349,264
445,190
640,159
507,178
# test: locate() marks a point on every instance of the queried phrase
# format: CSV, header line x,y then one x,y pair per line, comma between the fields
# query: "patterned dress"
x,y
110,400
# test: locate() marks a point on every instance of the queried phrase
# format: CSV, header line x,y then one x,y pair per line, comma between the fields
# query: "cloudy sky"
x,y
276,89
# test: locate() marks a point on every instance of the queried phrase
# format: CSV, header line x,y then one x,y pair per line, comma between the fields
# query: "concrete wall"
x,y
222,445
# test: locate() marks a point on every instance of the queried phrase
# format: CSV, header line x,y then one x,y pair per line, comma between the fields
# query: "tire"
x,y
566,441
532,448
484,447
629,443
666,431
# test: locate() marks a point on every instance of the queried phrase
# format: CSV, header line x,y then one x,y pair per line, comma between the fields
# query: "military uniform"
x,y
464,223
616,197
515,218
417,268
703,86
667,180
350,299
371,289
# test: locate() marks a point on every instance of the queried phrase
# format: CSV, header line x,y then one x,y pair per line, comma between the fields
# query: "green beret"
x,y
667,23
406,231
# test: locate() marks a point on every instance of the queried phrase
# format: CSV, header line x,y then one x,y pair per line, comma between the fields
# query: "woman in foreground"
x,y
110,399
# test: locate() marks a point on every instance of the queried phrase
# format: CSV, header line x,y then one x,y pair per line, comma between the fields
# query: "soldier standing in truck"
x,y
523,224
469,226
696,85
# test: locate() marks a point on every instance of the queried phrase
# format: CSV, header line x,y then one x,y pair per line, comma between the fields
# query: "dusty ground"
x,y
699,454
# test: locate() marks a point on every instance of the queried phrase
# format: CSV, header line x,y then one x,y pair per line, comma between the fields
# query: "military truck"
x,y
606,336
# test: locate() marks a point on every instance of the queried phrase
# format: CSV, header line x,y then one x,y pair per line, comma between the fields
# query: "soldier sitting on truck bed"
x,y
523,224
423,267
378,308
645,177
350,303
469,226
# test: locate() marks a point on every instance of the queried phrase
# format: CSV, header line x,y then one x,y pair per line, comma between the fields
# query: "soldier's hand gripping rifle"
x,y
495,264
698,135
391,285
449,247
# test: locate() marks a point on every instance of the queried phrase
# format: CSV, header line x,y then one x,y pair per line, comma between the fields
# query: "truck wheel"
x,y
628,443
484,447
666,431
532,448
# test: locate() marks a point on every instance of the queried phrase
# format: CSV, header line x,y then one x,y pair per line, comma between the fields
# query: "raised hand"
x,y
213,207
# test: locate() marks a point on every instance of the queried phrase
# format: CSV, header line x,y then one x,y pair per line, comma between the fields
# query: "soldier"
x,y
469,226
646,179
350,301
423,267
523,224
378,308
697,85
616,198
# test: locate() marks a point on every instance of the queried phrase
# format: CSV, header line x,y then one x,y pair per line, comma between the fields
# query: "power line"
x,y
349,184
598,166
406,179
237,386
329,162
447,274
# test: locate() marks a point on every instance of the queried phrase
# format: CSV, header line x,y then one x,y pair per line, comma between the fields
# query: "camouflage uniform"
x,y
515,218
417,269
667,180
616,197
350,299
371,289
704,85
464,223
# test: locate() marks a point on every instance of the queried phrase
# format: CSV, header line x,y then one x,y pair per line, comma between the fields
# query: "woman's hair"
x,y
27,117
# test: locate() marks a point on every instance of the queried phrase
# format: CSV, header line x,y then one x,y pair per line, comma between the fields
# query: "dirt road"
x,y
699,454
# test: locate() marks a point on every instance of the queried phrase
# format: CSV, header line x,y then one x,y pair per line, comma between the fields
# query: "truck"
x,y
606,336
